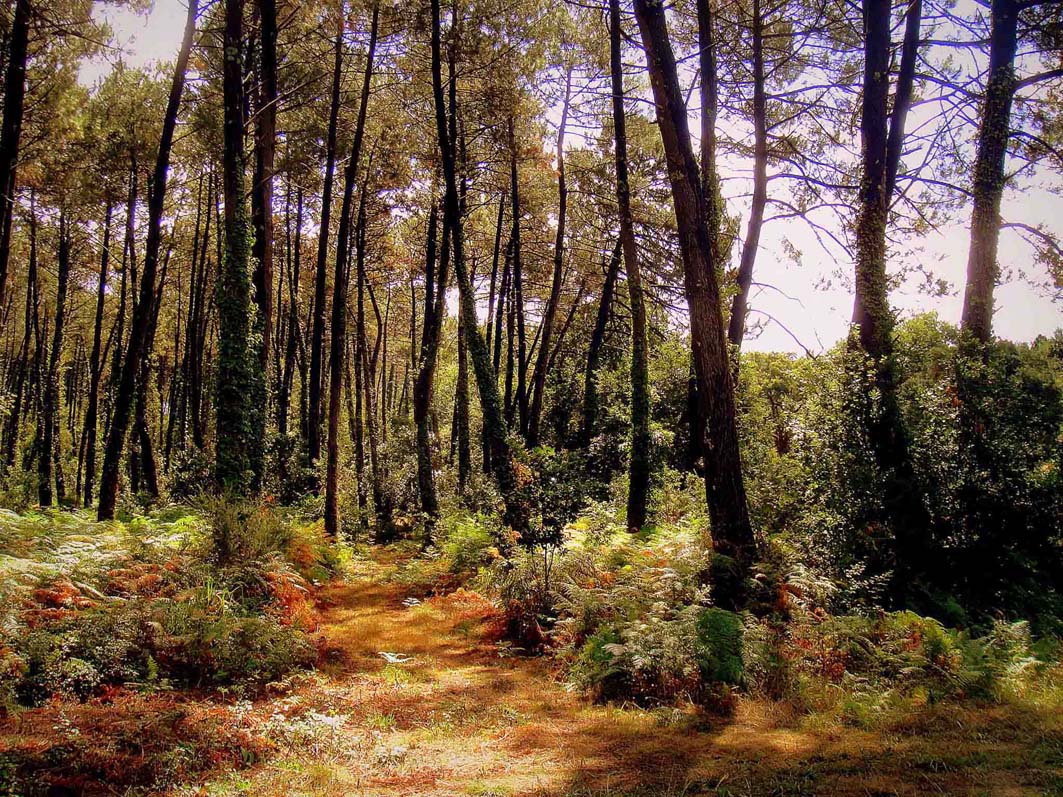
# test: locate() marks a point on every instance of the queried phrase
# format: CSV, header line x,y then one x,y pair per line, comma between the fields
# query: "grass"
x,y
450,716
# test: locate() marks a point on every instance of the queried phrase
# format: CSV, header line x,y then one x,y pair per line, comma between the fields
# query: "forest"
x,y
395,398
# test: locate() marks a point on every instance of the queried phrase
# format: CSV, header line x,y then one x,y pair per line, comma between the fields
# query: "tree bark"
x,y
992,149
424,382
338,342
516,514
317,334
641,439
882,138
239,387
262,218
736,328
517,287
725,489
95,364
11,128
142,312
539,373
49,420
594,349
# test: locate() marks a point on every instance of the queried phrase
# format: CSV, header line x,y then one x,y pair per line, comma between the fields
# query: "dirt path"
x,y
444,714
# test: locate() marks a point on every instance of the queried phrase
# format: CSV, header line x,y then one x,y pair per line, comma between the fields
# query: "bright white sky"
x,y
817,316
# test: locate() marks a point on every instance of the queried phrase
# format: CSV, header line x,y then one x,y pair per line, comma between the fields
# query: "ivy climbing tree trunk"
x,y
11,128
239,385
993,133
882,136
262,204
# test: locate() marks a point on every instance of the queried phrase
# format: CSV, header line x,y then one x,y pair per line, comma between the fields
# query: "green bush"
x,y
719,647
468,544
599,668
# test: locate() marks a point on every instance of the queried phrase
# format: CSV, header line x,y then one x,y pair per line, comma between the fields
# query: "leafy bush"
x,y
598,669
718,647
92,606
468,543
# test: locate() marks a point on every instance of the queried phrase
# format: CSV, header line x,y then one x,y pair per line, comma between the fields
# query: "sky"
x,y
806,298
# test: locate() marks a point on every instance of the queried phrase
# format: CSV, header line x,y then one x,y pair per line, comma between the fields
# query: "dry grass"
x,y
449,716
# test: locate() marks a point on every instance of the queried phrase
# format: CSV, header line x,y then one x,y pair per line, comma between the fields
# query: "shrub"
x,y
92,606
719,647
598,667
468,544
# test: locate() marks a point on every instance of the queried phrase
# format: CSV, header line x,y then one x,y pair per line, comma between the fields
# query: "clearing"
x,y
448,712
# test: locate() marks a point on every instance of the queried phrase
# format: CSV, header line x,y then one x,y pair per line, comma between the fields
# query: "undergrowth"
x,y
219,597
632,618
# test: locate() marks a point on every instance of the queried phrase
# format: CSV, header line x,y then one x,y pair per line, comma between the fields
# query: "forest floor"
x,y
414,699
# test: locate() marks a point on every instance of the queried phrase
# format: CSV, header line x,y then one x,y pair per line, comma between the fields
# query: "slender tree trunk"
x,y
517,286
293,322
317,335
516,514
142,312
594,349
23,379
736,329
95,364
49,421
539,373
338,342
725,489
11,128
641,439
424,382
992,149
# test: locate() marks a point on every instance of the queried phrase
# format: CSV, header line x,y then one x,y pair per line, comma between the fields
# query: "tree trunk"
x,y
517,287
95,365
736,328
725,489
11,128
142,312
237,385
49,421
539,374
317,335
516,514
641,439
338,343
262,217
882,138
424,382
993,135
594,349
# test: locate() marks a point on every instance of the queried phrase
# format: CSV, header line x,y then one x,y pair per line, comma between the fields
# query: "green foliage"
x,y
87,606
242,530
719,646
598,670
993,491
468,543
